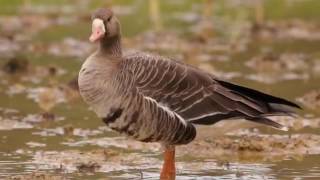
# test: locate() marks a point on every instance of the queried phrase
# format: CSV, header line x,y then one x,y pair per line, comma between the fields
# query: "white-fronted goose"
x,y
155,99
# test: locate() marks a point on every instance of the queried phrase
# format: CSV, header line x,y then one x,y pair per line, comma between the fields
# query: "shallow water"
x,y
45,128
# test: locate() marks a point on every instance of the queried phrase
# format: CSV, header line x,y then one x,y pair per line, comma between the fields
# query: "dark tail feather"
x,y
282,110
275,104
245,103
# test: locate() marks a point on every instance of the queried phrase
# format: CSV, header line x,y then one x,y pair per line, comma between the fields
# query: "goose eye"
x,y
109,19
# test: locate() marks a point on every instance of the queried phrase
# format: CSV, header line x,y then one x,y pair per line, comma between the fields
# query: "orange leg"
x,y
168,171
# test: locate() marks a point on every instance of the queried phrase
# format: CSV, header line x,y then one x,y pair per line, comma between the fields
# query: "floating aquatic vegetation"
x,y
8,47
118,142
125,10
41,9
70,47
36,22
46,97
50,132
270,78
89,167
272,67
38,176
8,124
271,62
85,132
16,89
11,119
39,118
189,17
299,123
20,68
97,160
274,145
18,23
288,29
159,41
68,130
17,64
311,99
35,144
9,111
220,74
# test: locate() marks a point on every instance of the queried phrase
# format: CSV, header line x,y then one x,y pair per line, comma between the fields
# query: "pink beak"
x,y
96,35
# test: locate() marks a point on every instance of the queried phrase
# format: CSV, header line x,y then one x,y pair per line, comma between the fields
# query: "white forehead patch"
x,y
98,23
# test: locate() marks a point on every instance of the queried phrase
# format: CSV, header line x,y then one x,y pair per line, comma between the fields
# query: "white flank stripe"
x,y
167,109
205,115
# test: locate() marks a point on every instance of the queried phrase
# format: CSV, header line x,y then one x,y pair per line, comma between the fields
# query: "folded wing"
x,y
199,97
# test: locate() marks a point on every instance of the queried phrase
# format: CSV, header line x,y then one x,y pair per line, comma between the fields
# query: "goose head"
x,y
104,25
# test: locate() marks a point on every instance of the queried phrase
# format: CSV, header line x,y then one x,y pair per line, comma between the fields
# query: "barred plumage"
x,y
156,99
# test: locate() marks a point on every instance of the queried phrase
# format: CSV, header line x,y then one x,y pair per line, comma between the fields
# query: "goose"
x,y
151,98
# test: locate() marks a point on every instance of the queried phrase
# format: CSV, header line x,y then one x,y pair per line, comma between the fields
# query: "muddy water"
x,y
47,132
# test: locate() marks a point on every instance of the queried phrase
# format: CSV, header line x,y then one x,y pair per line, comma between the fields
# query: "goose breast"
x,y
96,84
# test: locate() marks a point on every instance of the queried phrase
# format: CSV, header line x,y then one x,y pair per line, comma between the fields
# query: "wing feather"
x,y
199,97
